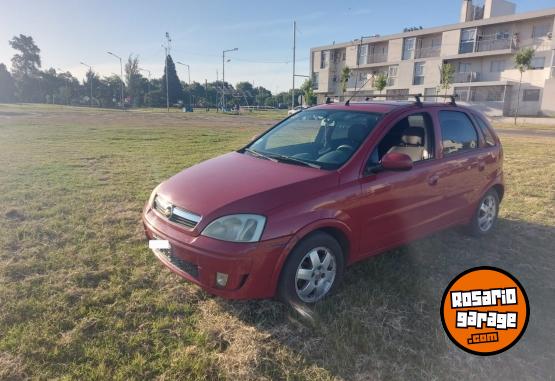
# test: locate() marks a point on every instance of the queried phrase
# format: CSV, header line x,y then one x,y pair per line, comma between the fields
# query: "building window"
x,y
392,75
468,39
408,48
325,59
400,94
457,132
363,55
497,66
531,95
541,30
462,94
419,73
315,81
431,92
538,63
465,67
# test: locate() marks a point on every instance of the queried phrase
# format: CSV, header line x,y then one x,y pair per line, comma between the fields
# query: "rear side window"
x,y
457,132
488,136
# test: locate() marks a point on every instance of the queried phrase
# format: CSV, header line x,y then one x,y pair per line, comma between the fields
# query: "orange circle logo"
x,y
485,311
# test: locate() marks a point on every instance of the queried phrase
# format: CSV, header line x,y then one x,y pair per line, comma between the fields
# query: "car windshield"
x,y
318,138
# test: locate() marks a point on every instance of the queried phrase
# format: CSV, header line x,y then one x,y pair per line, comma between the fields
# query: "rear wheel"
x,y
313,270
485,217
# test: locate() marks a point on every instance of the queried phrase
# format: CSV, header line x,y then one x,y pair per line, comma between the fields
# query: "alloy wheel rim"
x,y
315,274
487,213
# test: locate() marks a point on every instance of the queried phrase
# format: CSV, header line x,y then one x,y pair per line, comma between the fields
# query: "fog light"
x,y
221,279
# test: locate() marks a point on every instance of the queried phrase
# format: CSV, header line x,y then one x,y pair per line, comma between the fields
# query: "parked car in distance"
x,y
323,189
296,110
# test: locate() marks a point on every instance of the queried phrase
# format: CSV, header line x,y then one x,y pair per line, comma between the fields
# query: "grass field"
x,y
81,296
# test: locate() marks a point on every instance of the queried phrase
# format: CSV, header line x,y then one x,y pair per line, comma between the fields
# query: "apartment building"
x,y
481,49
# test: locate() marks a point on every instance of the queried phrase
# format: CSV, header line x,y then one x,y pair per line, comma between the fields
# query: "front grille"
x,y
181,264
175,214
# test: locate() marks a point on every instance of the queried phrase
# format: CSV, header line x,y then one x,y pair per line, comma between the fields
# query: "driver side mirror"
x,y
395,161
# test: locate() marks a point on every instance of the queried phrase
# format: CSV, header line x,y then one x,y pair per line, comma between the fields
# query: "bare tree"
x,y
523,62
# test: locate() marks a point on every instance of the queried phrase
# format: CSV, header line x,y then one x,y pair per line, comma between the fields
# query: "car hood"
x,y
240,183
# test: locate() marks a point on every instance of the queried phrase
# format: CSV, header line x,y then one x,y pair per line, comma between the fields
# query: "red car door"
x,y
459,174
396,207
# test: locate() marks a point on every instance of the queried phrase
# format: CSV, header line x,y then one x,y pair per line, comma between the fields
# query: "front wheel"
x,y
313,270
485,217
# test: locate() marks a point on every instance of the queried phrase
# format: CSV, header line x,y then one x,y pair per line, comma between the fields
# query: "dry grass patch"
x,y
83,298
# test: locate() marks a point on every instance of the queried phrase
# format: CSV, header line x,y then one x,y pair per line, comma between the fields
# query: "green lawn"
x,y
82,297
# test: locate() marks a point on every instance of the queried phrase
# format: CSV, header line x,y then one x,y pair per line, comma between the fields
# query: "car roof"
x,y
384,107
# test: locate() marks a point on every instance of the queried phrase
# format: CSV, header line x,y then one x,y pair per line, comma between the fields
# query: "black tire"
x,y
475,228
300,257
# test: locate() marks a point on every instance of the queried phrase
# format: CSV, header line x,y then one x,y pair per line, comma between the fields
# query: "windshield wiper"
x,y
260,155
288,159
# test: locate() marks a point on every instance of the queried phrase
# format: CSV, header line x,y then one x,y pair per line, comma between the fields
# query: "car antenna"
x,y
348,103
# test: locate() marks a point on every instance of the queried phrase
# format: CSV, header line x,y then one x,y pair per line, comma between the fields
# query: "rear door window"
x,y
488,136
457,132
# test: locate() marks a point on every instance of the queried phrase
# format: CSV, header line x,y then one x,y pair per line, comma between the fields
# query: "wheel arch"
x,y
339,230
500,189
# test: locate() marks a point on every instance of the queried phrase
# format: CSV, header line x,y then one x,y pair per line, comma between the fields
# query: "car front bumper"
x,y
251,267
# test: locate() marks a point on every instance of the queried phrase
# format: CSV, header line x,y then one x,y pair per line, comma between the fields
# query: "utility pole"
x,y
167,48
91,80
189,74
223,74
294,58
121,78
206,93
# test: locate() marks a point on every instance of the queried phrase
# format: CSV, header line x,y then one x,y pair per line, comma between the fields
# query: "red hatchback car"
x,y
325,188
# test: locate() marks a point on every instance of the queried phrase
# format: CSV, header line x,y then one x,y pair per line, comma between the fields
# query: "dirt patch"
x,y
14,215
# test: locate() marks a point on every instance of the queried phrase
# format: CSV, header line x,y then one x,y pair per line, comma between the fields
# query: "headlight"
x,y
236,228
151,198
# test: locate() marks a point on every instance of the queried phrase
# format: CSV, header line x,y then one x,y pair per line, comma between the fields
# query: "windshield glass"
x,y
319,138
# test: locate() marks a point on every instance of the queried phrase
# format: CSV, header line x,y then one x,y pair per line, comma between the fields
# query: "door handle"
x,y
433,180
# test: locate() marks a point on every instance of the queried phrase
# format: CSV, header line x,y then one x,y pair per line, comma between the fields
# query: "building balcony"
x,y
427,52
487,45
466,77
374,58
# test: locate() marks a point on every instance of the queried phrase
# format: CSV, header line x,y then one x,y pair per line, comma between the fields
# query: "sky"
x,y
69,32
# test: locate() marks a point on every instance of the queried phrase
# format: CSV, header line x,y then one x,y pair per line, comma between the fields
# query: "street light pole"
x,y
91,80
223,74
121,78
167,48
189,75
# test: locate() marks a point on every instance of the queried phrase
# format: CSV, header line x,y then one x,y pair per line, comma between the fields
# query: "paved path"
x,y
528,132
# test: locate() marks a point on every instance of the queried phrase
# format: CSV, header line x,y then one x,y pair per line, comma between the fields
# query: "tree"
x,y
246,91
7,85
27,61
447,72
380,82
345,75
308,91
25,68
523,62
174,85
134,81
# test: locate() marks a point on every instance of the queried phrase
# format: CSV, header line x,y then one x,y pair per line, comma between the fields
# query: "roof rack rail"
x,y
451,97
417,97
